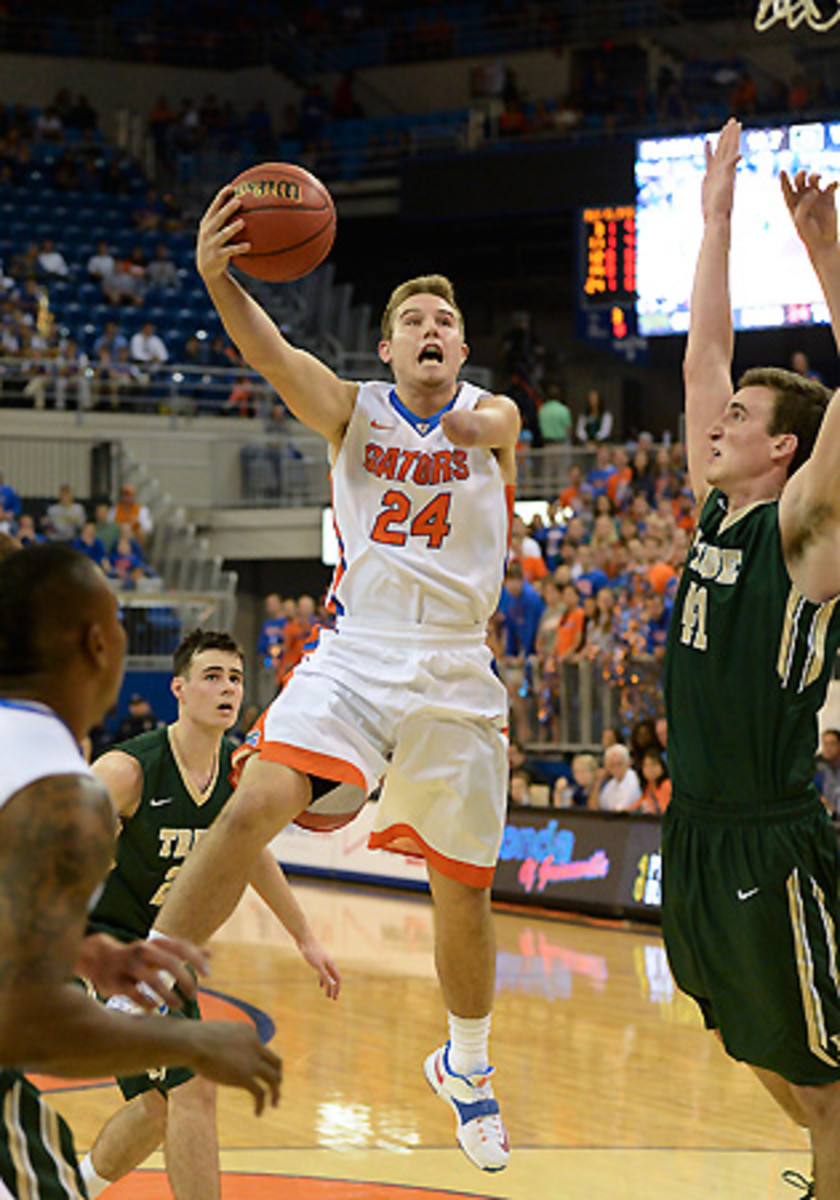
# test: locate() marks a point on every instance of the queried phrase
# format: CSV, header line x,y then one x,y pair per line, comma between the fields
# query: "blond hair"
x,y
431,285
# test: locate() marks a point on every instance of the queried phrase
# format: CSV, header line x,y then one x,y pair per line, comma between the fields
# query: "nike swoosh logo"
x,y
376,425
742,895
157,801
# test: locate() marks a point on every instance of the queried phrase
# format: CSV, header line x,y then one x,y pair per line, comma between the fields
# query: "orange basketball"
x,y
289,221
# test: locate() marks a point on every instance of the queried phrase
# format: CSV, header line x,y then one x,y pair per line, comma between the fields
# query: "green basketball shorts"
x,y
749,918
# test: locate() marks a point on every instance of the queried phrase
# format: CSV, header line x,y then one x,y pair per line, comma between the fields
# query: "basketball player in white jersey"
x,y
423,472
61,660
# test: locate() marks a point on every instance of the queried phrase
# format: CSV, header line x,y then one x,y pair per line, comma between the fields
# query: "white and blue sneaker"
x,y
478,1124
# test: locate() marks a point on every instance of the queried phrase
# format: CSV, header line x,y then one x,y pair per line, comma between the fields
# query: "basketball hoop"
x,y
794,13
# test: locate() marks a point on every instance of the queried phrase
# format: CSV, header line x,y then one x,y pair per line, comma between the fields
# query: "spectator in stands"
x,y
71,370
10,501
519,789
26,532
570,627
555,417
139,718
128,566
107,529
570,497
657,617
656,793
581,791
128,511
49,126
102,264
52,264
148,349
587,576
599,633
111,338
297,632
126,285
119,377
642,738
599,474
90,544
65,517
161,273
522,606
546,636
270,648
828,774
239,401
619,787
660,573
800,363
595,423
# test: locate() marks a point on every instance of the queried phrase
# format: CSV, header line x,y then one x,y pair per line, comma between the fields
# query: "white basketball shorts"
x,y
424,712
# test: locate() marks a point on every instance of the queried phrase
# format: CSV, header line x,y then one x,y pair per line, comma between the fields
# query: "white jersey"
x,y
423,526
36,743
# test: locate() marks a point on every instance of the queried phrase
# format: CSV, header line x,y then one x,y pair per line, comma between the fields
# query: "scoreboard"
x,y
608,236
606,278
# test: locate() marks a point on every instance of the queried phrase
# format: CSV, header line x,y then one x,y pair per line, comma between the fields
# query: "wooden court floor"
x,y
610,1088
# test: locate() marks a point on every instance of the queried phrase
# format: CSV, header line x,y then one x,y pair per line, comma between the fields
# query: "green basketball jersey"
x,y
747,665
154,842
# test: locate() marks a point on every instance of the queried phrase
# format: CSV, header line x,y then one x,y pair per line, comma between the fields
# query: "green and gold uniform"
x,y
750,871
170,819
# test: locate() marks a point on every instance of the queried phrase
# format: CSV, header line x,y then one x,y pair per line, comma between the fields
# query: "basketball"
x,y
289,221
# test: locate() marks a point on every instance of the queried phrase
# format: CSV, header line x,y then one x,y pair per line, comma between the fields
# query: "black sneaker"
x,y
797,1180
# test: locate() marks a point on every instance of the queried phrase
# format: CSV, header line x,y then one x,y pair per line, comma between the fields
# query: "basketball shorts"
x,y
37,1158
425,713
161,1079
749,917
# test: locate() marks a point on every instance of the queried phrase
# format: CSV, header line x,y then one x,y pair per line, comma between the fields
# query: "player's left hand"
x,y
812,208
149,973
328,975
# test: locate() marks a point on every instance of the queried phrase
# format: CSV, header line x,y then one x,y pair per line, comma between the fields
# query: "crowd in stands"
x,y
114,536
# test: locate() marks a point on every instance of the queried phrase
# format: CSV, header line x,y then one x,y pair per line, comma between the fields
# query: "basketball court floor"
x,y
610,1088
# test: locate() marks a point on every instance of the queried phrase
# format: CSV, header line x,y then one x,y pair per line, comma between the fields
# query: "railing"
x,y
155,624
571,705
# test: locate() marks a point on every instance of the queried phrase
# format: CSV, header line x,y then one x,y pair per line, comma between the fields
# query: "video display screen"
x,y
772,282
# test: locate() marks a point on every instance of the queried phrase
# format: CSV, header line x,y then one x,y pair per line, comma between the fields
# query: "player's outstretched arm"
x,y
809,514
56,843
814,214
708,356
270,882
312,391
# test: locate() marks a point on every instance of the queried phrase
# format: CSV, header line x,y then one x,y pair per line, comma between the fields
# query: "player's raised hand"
x,y
231,1053
719,180
812,209
214,249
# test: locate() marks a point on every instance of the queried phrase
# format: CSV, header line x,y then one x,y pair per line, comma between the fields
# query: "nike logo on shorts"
x,y
745,895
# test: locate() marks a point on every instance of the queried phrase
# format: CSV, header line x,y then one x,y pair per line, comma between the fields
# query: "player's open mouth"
x,y
225,708
431,354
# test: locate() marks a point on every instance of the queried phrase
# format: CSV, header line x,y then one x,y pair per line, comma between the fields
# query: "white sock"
x,y
94,1183
468,1044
